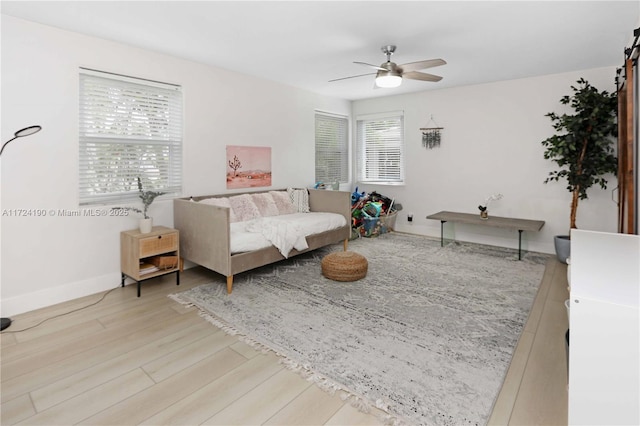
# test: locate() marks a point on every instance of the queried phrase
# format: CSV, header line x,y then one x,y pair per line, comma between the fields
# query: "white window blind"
x,y
129,128
332,148
380,148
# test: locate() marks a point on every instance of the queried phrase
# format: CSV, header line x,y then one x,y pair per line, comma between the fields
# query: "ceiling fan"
x,y
390,74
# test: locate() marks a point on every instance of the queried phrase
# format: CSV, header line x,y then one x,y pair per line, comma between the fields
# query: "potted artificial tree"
x,y
147,197
582,147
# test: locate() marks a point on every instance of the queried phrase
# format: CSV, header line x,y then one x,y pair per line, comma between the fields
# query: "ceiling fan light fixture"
x,y
388,79
390,75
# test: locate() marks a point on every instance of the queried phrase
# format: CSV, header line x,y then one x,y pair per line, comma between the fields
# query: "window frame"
x,y
128,127
340,153
371,170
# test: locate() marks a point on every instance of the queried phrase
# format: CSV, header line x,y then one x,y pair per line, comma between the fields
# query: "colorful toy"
x,y
372,209
355,196
371,213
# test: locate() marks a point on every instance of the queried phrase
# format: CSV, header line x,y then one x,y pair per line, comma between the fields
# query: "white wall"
x,y
46,260
491,144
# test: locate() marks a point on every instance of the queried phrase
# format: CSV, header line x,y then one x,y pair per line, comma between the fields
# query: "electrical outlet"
x,y
410,217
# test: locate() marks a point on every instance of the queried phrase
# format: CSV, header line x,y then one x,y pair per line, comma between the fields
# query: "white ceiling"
x,y
305,44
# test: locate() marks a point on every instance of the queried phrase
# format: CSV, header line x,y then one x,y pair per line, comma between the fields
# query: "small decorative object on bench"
x,y
344,266
484,212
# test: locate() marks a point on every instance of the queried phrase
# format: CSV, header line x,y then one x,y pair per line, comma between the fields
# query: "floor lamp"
x,y
27,131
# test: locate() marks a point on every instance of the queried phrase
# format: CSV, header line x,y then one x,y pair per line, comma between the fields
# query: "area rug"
x,y
427,336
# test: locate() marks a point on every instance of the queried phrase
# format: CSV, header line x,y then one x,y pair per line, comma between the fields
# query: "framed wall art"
x,y
248,166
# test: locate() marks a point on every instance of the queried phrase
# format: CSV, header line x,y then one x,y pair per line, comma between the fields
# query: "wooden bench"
x,y
493,221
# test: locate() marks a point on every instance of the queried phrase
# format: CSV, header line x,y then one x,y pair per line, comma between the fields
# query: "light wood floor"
x,y
149,360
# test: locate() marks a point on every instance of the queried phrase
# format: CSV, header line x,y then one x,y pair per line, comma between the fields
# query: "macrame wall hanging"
x,y
431,135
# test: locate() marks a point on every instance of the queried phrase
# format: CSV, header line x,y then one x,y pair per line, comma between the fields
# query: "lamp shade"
x,y
388,79
27,131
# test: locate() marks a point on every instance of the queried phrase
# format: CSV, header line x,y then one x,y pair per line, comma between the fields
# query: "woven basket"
x,y
344,266
164,262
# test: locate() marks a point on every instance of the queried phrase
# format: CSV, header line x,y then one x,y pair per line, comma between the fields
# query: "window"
x,y
129,128
380,148
332,148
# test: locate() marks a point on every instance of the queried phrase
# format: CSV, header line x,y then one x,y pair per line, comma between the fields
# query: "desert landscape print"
x,y
248,166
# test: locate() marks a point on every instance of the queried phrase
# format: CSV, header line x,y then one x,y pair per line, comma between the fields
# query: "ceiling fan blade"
x,y
421,65
375,67
353,76
415,75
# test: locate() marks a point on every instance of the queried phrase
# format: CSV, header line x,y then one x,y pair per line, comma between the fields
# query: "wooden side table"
x,y
146,256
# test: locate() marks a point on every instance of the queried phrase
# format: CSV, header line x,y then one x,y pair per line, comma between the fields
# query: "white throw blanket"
x,y
283,234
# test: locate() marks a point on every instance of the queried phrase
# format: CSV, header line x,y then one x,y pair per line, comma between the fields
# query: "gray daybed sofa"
x,y
205,232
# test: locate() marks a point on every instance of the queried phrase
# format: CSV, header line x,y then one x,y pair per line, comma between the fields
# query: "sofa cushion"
x,y
221,202
266,205
283,202
299,198
244,207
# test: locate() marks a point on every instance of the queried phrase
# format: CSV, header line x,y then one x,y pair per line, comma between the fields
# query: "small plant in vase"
x,y
147,197
484,212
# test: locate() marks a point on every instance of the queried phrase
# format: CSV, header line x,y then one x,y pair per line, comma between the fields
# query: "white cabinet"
x,y
604,355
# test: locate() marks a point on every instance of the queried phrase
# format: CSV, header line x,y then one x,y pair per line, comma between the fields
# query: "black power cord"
x,y
61,315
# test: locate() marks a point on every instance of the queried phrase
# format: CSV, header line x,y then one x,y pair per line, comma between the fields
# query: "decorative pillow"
x,y
283,202
221,202
299,199
244,207
266,205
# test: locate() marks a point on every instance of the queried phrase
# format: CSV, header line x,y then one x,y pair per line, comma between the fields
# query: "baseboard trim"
x,y
51,296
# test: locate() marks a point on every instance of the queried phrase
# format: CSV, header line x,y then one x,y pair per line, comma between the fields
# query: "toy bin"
x,y
374,226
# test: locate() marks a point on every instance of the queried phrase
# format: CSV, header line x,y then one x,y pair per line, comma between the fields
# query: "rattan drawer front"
x,y
159,244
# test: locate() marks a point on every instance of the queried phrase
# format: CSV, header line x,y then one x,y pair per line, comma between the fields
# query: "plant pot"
x,y
146,225
563,247
484,215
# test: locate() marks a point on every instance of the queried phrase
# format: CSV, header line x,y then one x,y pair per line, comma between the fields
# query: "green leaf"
x,y
583,145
